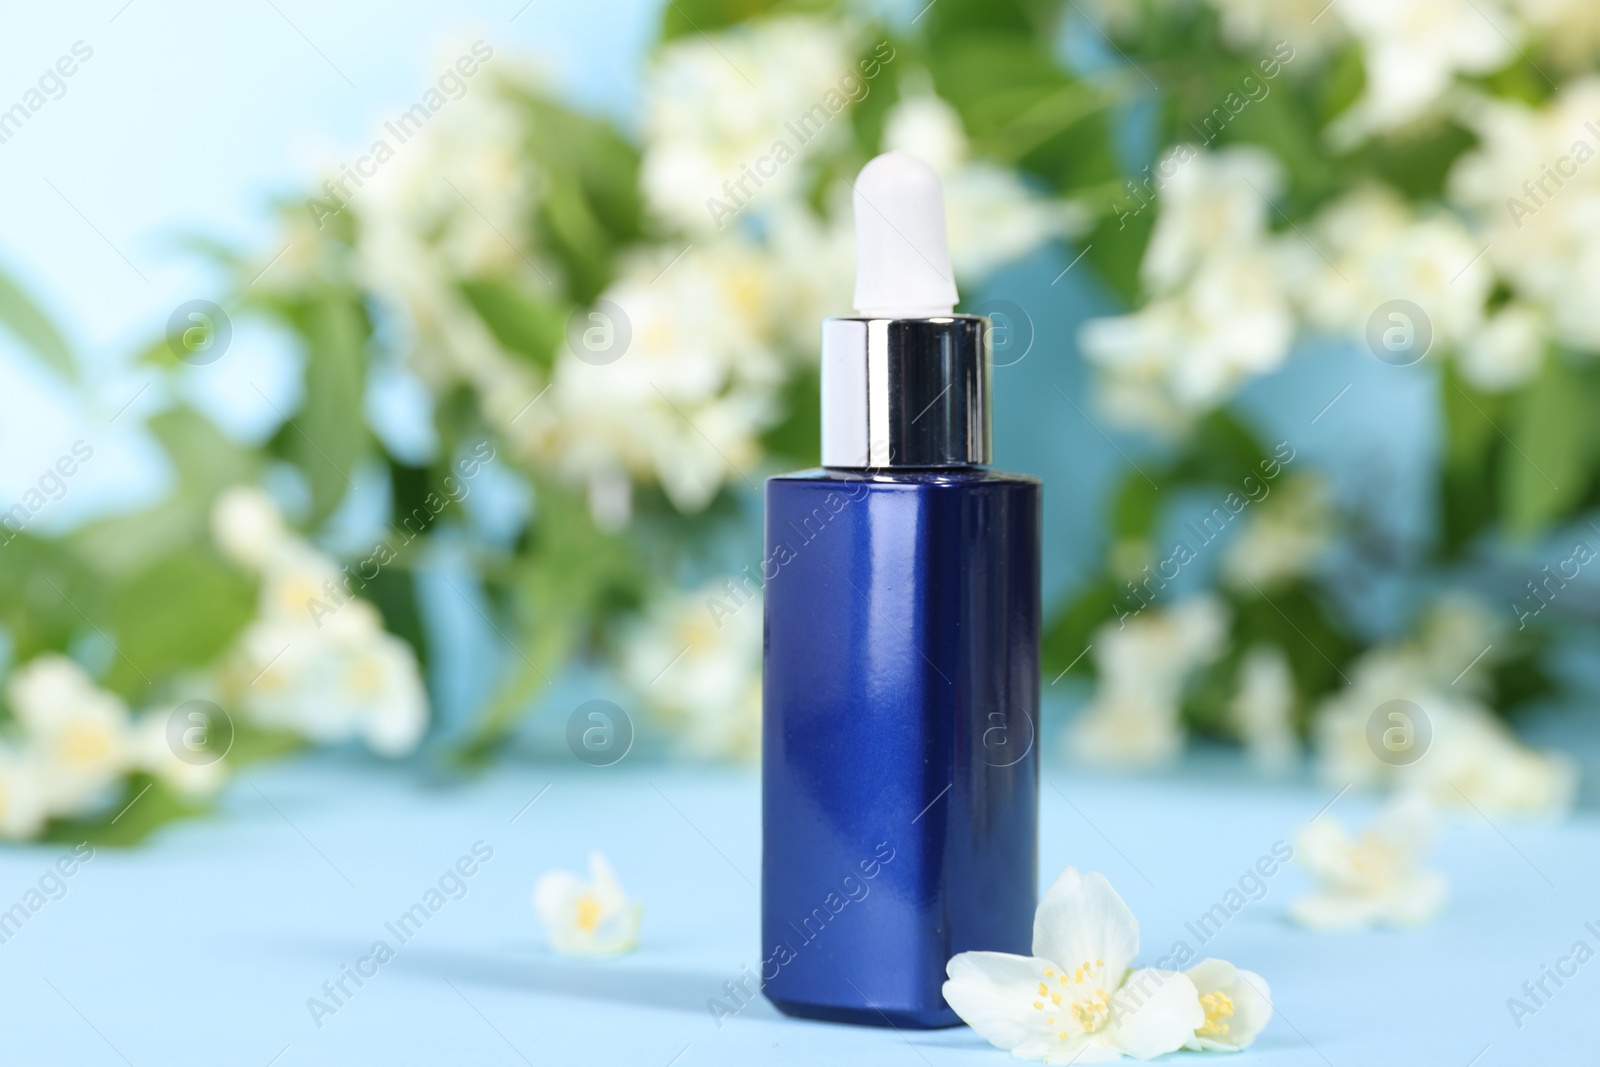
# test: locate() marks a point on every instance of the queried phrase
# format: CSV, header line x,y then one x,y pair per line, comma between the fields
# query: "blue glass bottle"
x,y
901,685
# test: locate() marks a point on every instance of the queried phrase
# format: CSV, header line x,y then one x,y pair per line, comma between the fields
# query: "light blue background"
x,y
203,946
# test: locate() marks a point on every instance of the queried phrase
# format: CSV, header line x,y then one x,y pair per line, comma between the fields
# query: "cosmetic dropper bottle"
x,y
901,682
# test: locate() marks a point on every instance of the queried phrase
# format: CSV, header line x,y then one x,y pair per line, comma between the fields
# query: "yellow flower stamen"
x,y
1218,1006
588,916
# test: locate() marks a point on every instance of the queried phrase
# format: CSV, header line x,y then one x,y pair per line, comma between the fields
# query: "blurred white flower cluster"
x,y
74,745
1533,188
1228,288
1414,52
1263,709
673,374
1285,535
1219,310
1227,293
696,658
1413,717
715,105
1442,741
1377,879
316,660
1134,719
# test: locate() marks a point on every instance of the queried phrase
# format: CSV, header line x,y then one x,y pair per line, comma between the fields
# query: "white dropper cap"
x,y
902,257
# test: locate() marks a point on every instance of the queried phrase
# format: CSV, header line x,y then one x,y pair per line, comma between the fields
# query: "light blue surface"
x,y
203,947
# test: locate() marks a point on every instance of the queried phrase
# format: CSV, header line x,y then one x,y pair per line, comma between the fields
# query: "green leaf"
x,y
328,434
796,441
22,317
520,321
1020,107
590,208
953,21
1546,470
1343,83
1135,509
1418,165
685,17
393,592
1116,248
1469,501
145,806
1295,619
40,584
1069,631
180,614
572,581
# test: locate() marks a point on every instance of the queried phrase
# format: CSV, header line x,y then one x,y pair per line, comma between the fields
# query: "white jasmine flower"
x,y
1237,1003
685,402
1214,204
1509,350
1129,727
1248,24
151,752
1263,708
348,679
1144,661
298,583
1455,630
79,731
1412,51
1283,536
696,658
1570,29
455,202
1187,353
925,125
1380,250
317,661
1533,185
457,195
1220,313
593,918
22,794
1377,879
1467,755
716,105
1077,998
814,265
247,527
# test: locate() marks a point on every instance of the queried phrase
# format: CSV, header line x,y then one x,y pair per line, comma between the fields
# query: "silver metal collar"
x,y
905,392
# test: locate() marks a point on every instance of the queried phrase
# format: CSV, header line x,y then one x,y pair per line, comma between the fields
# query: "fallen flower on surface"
x,y
593,918
1078,999
1377,879
1237,1005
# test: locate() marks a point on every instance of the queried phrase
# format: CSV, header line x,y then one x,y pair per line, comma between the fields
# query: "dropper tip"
x,y
902,254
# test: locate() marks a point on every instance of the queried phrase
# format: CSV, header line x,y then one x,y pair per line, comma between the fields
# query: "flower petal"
x,y
554,894
1251,998
994,993
1334,911
1081,920
603,882
1153,1013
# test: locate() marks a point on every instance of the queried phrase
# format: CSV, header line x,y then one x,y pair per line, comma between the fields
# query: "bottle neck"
x,y
905,393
